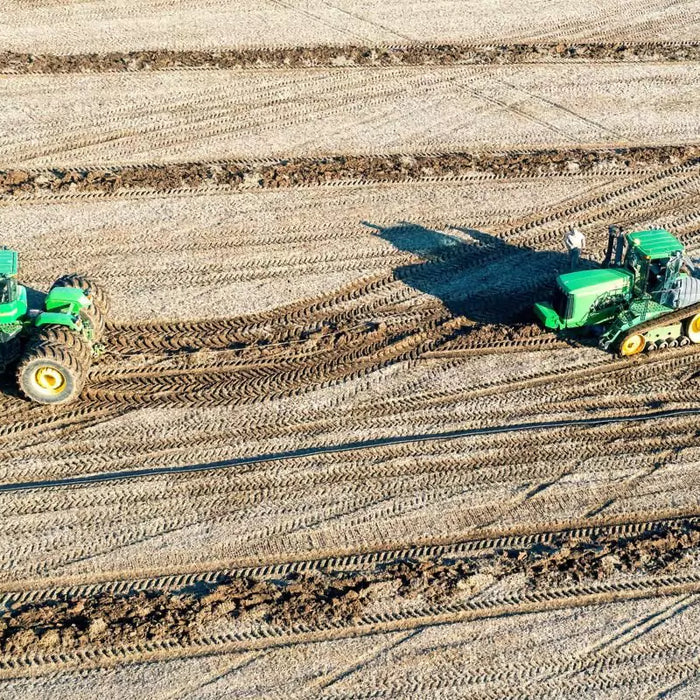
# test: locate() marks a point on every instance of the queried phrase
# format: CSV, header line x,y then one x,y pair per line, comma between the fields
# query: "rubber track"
x,y
665,320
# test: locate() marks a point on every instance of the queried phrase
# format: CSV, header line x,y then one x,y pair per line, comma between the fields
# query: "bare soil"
x,y
321,596
278,350
366,56
324,170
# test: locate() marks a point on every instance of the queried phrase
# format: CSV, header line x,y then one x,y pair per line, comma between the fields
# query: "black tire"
x,y
53,367
61,336
97,314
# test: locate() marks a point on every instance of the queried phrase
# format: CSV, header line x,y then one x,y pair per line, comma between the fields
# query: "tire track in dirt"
x,y
598,375
501,462
167,337
351,447
358,498
324,170
337,596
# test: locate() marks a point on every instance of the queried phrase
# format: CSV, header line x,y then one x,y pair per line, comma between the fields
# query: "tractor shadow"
x,y
35,297
475,274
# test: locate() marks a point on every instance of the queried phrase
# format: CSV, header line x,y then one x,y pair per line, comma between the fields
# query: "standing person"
x,y
612,237
616,245
620,246
575,241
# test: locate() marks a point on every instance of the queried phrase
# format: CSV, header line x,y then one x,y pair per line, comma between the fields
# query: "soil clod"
x,y
318,597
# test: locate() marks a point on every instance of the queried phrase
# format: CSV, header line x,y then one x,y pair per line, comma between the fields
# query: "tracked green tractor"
x,y
52,346
646,300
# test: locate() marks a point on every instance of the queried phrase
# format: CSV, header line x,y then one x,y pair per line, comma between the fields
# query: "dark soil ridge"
x,y
296,172
339,56
318,597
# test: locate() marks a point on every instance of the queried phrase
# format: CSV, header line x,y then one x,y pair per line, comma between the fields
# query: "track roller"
x,y
632,345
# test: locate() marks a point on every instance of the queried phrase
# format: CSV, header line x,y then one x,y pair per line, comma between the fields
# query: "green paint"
x,y
50,318
68,300
655,244
62,305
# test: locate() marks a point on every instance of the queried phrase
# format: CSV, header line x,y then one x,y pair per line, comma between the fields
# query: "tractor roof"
x,y
8,262
655,243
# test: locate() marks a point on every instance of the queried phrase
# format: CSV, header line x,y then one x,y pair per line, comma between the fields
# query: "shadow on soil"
x,y
476,274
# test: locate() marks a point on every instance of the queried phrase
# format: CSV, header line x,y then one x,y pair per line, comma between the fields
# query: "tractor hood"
x,y
585,298
594,281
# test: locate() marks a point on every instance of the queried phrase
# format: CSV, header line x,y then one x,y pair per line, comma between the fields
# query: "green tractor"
x,y
647,301
54,346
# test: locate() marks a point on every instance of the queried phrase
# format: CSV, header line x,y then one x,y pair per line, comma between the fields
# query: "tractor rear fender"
x,y
67,300
59,318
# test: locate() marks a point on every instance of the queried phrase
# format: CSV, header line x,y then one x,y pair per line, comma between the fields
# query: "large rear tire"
x,y
53,367
97,314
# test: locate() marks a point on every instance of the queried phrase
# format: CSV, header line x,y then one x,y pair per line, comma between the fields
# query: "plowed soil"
x,y
316,171
75,623
308,57
327,450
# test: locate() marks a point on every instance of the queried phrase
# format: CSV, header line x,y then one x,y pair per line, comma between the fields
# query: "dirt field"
x,y
76,26
207,116
327,452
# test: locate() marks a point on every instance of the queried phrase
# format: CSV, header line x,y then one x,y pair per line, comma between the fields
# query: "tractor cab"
x,y
13,297
655,258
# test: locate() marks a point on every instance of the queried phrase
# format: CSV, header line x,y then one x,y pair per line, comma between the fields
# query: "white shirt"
x,y
574,239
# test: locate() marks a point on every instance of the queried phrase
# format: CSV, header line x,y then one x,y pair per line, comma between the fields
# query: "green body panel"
x,y
594,281
59,318
548,316
68,300
9,261
16,309
593,296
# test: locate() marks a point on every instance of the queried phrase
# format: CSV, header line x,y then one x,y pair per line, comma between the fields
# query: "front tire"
x,y
54,366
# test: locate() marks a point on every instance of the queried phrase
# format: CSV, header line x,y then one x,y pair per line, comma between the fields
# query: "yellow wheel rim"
x,y
694,328
633,345
50,380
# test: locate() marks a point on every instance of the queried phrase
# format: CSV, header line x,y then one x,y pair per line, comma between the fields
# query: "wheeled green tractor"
x,y
645,302
54,346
